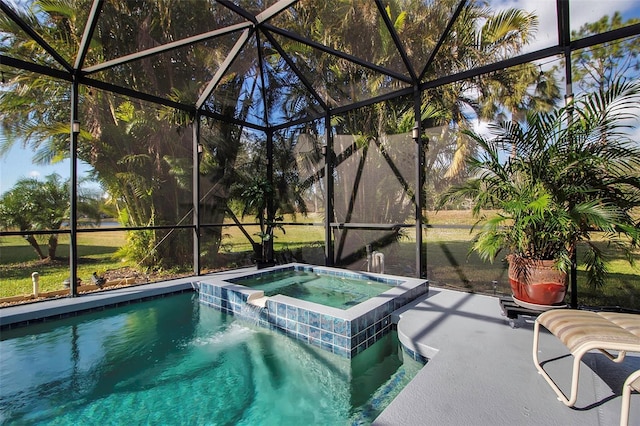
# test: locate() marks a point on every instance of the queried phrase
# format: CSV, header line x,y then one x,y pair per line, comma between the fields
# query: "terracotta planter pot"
x,y
541,284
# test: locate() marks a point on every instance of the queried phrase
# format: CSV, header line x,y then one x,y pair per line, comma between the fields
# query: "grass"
x,y
449,263
18,261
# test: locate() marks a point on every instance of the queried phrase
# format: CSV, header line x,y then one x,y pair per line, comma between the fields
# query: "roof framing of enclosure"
x,y
260,29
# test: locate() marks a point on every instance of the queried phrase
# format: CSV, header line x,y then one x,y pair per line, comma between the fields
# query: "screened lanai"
x,y
202,135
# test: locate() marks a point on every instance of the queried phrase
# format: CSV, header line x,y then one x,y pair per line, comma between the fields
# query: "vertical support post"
x,y
197,153
416,134
270,203
564,40
73,191
573,273
328,202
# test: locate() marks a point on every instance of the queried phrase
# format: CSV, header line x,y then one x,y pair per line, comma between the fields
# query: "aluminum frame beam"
x,y
231,56
396,40
35,36
166,47
307,84
337,53
273,10
87,35
442,38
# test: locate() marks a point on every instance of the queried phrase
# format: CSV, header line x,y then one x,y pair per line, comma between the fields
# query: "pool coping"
x,y
64,307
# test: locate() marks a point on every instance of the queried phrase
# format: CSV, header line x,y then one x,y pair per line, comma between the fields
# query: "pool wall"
x,y
64,307
343,332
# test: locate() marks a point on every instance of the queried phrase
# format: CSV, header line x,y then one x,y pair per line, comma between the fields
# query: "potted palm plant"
x,y
575,172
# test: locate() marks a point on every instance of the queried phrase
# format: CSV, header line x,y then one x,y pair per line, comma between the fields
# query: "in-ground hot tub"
x,y
336,290
347,330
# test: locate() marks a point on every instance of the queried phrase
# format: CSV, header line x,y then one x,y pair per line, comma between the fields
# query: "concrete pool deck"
x,y
480,373
481,370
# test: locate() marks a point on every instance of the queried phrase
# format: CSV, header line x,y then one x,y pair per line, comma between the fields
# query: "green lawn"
x,y
448,262
18,261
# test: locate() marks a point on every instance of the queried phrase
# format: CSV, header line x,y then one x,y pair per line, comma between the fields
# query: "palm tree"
x,y
480,37
34,205
518,91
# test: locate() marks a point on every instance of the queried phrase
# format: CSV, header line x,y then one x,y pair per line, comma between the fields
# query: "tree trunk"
x,y
32,241
53,246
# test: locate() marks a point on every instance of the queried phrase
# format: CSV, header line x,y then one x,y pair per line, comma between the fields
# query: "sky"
x,y
17,162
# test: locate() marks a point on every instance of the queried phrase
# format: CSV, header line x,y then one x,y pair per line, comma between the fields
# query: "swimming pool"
x,y
340,292
345,332
174,360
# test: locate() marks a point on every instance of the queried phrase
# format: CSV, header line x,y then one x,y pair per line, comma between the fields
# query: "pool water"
x,y
335,291
175,361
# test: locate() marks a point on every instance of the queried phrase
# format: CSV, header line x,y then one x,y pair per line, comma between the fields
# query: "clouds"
x,y
545,10
580,12
583,11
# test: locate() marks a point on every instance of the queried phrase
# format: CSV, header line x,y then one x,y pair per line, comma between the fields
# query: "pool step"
x,y
261,302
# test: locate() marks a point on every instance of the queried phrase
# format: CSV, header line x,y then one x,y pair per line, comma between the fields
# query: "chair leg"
x,y
626,397
615,358
575,375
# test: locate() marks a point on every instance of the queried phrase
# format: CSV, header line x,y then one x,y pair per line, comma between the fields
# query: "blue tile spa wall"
x,y
345,336
341,336
232,302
